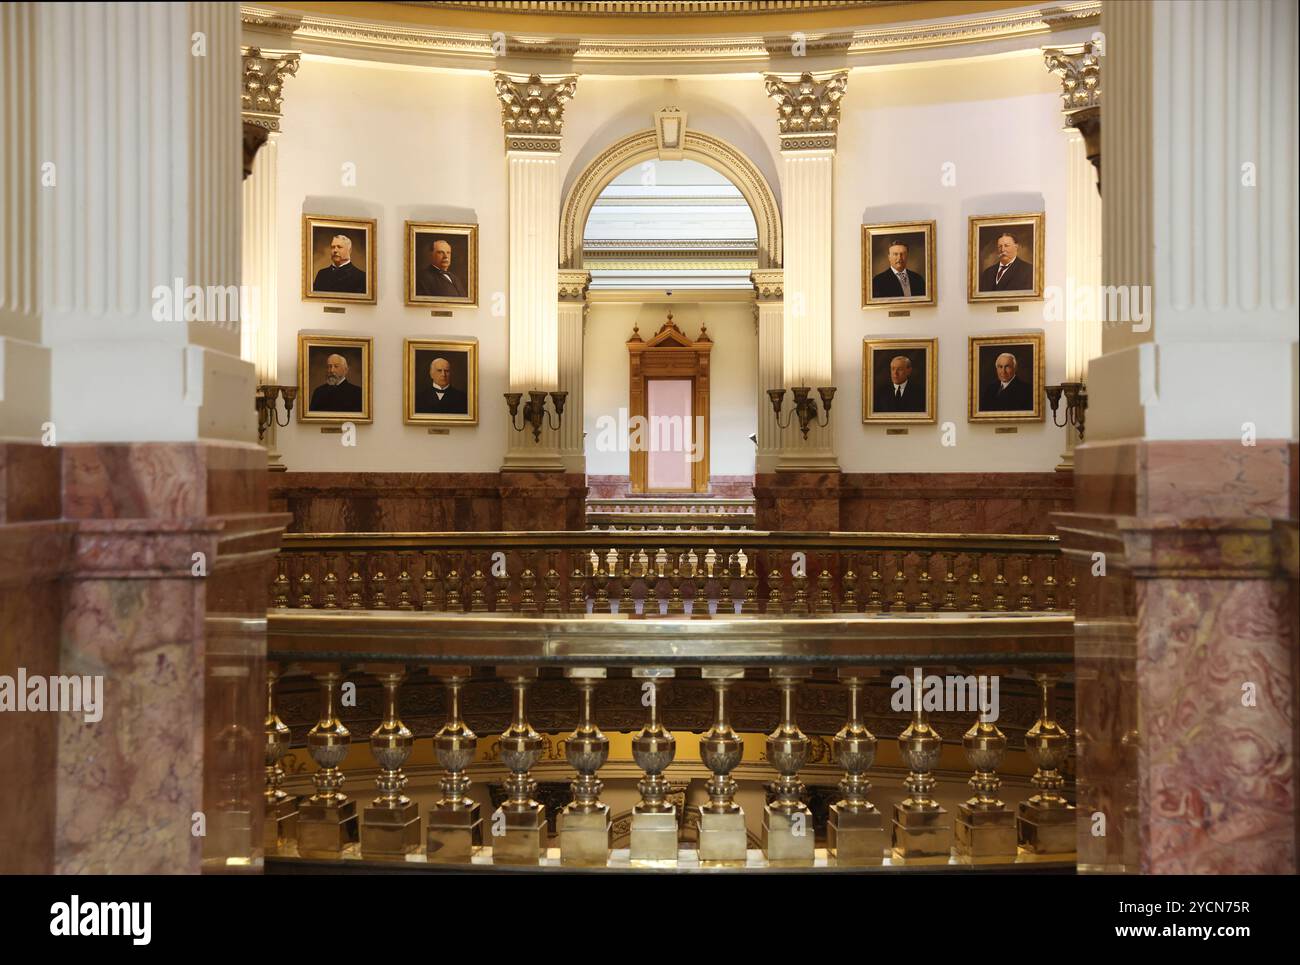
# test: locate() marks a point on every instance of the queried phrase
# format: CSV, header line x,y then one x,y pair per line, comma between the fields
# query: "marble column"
x,y
264,74
1184,485
532,113
1079,67
808,115
151,510
572,327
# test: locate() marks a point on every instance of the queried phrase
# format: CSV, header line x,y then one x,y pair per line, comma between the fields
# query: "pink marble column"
x,y
1186,657
172,558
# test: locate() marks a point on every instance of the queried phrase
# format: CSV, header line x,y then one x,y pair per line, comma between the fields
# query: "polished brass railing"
x,y
673,572
788,651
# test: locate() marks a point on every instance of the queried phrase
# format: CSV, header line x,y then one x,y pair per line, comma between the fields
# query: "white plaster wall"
x,y
428,145
733,373
998,120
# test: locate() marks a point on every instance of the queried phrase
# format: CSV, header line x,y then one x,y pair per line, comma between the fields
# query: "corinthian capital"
x,y
532,110
1079,67
808,109
264,74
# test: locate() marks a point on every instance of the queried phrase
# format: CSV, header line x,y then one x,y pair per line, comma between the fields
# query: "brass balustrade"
x,y
393,646
673,572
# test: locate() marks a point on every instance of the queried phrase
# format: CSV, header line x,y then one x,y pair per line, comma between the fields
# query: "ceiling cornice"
x,y
465,49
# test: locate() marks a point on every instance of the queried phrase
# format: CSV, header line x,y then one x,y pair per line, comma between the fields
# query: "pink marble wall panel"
x,y
29,482
953,502
543,501
797,501
388,502
1217,776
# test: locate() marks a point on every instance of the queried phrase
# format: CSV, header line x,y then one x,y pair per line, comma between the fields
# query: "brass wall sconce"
x,y
267,411
535,413
1076,404
805,407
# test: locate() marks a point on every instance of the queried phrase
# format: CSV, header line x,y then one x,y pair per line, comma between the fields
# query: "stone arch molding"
x,y
723,157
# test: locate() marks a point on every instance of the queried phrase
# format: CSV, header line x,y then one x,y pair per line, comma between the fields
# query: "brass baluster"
x,y
750,604
378,585
788,833
519,825
452,597
949,582
585,821
552,581
327,821
1026,584
726,605
280,585
528,584
899,603
477,586
305,582
455,828
985,831
355,583
601,605
390,826
849,587
855,828
430,600
281,808
975,581
578,585
1000,582
923,579
1045,824
654,819
875,600
626,605
404,583
676,605
1050,582
330,584
722,821
1071,587
921,831
799,578
775,601
699,570
825,603
501,582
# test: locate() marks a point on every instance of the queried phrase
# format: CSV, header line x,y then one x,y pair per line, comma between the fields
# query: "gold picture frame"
x,y
880,405
317,399
879,283
984,385
428,283
318,233
984,281
422,405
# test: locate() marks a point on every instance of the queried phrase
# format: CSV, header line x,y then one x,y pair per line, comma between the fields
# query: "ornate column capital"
x,y
532,110
769,284
263,85
808,108
1079,68
573,284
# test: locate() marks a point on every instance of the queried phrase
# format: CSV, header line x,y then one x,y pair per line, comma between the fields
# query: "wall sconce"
x,y
805,407
267,411
535,413
1076,404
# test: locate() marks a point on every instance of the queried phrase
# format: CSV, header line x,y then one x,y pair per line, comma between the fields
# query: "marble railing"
x,y
672,572
341,647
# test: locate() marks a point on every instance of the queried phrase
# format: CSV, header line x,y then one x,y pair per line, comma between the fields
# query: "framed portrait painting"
x,y
1005,257
338,259
899,380
440,386
441,264
1006,378
898,264
334,378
